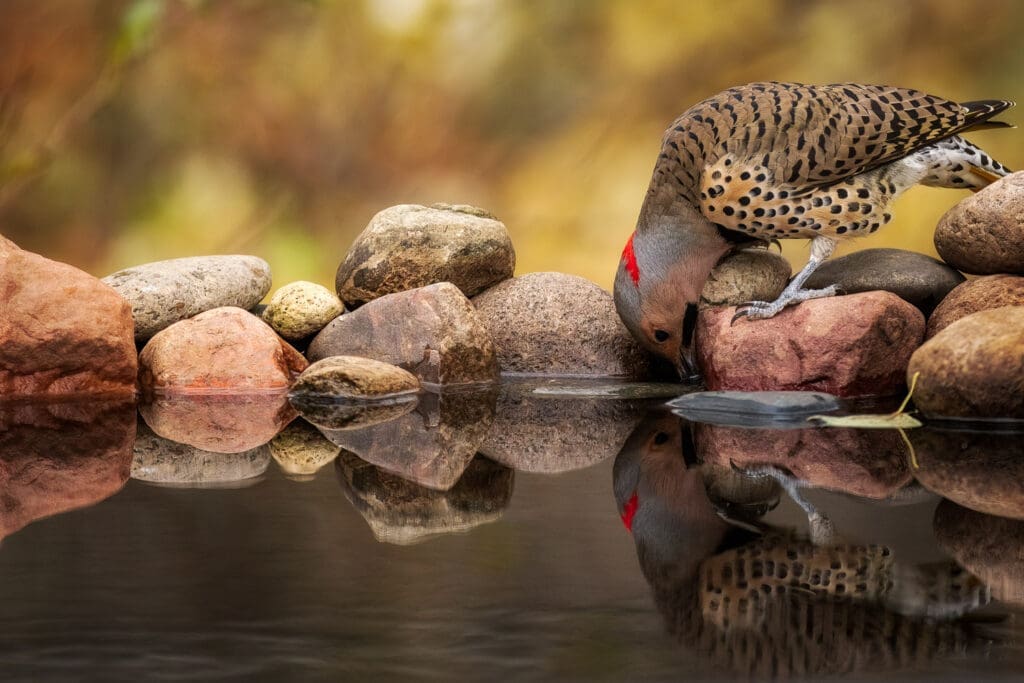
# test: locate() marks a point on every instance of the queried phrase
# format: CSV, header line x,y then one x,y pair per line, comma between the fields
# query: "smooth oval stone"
x,y
353,378
164,292
984,233
301,450
753,408
300,309
747,275
915,278
161,461
980,294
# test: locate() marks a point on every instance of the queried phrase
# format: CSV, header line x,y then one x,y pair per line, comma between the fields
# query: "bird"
x,y
768,161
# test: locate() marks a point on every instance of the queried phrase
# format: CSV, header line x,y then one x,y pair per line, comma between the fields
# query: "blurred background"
x,y
142,130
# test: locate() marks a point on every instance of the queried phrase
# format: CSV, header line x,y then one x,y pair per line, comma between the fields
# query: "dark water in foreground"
x,y
517,566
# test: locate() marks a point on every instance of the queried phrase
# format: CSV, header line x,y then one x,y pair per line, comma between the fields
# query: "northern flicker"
x,y
768,161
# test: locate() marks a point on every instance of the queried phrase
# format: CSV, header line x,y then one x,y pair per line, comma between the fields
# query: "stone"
x,y
989,547
917,279
538,433
161,461
226,349
402,513
301,450
747,275
431,445
300,309
353,378
353,414
981,294
558,324
983,471
62,331
409,246
984,233
56,457
219,423
974,368
164,292
753,408
856,345
433,332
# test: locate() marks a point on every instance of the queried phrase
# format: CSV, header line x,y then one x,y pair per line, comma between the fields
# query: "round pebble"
x,y
300,309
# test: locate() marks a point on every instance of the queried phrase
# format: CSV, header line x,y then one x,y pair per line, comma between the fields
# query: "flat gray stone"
x,y
753,408
164,292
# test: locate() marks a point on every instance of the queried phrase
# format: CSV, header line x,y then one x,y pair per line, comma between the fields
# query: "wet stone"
x,y
747,275
161,461
984,233
164,292
353,377
220,423
753,408
300,309
980,294
301,450
989,547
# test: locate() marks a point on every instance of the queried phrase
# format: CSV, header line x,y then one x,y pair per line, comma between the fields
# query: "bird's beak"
x,y
687,365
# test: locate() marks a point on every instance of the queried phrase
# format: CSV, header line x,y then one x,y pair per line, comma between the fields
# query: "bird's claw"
x,y
753,310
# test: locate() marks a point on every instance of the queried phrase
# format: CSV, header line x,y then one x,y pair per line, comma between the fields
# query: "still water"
x,y
601,538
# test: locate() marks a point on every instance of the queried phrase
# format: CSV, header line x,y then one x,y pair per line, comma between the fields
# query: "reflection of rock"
x,y
401,512
536,433
353,414
430,445
301,450
983,471
161,461
991,548
62,456
229,423
864,462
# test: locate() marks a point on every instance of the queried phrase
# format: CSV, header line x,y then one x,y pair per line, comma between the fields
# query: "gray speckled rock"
x,y
300,309
300,450
353,377
558,324
161,461
747,275
164,292
984,233
410,246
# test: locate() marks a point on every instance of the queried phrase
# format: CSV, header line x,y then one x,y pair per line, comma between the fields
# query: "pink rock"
x,y
856,345
222,350
62,331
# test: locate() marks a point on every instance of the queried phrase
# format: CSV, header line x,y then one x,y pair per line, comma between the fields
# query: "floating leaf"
x,y
890,421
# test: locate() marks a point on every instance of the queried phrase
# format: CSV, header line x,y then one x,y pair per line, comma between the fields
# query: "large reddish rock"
x,y
857,345
62,331
980,294
225,349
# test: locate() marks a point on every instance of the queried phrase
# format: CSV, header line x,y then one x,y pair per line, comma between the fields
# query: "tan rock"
x,y
301,450
300,309
991,548
984,233
747,275
353,377
219,423
980,294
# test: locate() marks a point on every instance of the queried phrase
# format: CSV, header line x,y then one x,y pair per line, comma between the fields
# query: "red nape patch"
x,y
629,511
629,258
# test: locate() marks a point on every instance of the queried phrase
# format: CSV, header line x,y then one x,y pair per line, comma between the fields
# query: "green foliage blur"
x,y
142,130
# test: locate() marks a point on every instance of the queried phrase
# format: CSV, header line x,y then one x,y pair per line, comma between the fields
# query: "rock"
x,y
402,513
983,471
974,368
56,457
301,450
991,548
871,463
984,233
753,408
226,349
537,433
431,445
434,332
915,278
220,423
558,324
353,378
300,309
164,292
856,345
161,461
991,291
62,331
410,246
747,275
353,414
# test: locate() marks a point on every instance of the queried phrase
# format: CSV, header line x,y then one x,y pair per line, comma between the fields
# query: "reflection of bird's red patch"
x,y
629,258
629,511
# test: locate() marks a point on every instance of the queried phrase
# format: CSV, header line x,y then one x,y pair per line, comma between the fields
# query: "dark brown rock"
x,y
984,233
410,246
974,368
433,332
989,547
856,345
352,377
558,324
915,278
62,331
980,294
747,275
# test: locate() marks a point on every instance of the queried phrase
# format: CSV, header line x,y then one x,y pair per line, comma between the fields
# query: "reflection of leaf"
x,y
890,421
138,24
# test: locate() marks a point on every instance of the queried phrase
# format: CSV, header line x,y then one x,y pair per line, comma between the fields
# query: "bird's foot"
x,y
820,527
760,310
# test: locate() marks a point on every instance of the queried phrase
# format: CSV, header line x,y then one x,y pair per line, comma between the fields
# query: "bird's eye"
x,y
661,335
660,438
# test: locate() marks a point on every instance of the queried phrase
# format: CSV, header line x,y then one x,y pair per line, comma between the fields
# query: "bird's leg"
x,y
822,531
821,248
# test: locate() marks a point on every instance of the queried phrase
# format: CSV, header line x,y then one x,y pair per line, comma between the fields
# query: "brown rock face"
x,y
410,246
433,332
59,457
984,233
992,291
558,324
747,275
225,349
973,368
62,331
989,547
856,345
352,377
218,423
